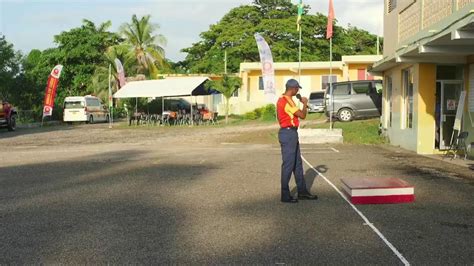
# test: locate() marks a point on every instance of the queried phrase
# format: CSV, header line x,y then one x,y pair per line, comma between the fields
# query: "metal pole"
x,y
330,84
225,62
192,114
111,115
299,58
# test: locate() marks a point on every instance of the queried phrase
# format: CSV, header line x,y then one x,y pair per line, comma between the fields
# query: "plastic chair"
x,y
459,144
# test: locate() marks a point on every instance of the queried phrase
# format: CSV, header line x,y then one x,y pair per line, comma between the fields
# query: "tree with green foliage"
x,y
227,86
80,51
276,21
9,68
146,45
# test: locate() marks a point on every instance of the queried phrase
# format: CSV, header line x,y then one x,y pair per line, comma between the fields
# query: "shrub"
x,y
269,112
265,113
251,115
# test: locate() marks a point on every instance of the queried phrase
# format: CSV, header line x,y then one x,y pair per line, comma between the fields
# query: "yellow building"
x,y
428,62
314,77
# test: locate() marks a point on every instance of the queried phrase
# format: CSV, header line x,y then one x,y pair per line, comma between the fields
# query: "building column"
x,y
425,104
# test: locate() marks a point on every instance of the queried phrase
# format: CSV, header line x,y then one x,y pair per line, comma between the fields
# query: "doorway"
x,y
447,97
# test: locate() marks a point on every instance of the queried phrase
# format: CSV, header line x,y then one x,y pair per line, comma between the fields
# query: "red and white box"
x,y
369,190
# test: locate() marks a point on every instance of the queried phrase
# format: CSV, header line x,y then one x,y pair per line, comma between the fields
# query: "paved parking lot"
x,y
181,196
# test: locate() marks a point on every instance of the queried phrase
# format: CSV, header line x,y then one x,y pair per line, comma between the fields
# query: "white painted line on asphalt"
x,y
384,239
319,152
327,149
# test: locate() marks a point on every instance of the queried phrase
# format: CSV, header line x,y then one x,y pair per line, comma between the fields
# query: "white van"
x,y
84,108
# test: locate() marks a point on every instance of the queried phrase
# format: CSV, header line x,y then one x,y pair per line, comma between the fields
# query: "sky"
x,y
32,24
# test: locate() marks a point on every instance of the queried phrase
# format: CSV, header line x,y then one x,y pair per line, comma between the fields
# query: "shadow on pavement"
x,y
310,177
4,133
106,208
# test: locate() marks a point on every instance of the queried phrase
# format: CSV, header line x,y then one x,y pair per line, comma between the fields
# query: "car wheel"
x,y
345,115
12,123
91,119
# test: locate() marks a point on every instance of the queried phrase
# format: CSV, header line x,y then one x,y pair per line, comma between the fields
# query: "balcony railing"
x,y
420,15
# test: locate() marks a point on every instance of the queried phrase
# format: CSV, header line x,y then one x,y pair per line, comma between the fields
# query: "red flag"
x,y
330,20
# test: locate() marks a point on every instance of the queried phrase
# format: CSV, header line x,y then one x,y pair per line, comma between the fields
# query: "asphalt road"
x,y
187,199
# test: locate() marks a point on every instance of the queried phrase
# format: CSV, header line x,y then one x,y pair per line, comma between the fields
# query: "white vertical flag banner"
x,y
120,72
268,72
459,111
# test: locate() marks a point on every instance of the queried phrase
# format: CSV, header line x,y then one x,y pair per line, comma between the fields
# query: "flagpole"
x,y
110,96
225,62
330,84
299,58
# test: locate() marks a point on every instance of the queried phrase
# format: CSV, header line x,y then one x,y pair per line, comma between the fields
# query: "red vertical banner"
x,y
50,93
331,15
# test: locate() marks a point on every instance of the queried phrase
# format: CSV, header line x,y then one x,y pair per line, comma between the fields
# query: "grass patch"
x,y
315,116
358,131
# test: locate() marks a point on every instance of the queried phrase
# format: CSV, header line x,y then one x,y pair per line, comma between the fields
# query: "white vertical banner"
x,y
470,101
120,72
459,111
268,72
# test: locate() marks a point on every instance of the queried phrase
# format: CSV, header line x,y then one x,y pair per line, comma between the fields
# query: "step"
x,y
320,136
371,190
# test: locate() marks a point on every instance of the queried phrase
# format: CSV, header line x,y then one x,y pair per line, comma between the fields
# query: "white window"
x,y
407,99
389,100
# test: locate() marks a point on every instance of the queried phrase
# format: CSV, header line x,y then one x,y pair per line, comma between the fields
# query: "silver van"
x,y
354,99
316,102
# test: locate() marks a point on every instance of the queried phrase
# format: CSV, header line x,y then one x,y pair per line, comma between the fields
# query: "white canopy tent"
x,y
168,87
174,86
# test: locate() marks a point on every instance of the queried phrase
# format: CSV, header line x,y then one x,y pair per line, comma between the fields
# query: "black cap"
x,y
292,83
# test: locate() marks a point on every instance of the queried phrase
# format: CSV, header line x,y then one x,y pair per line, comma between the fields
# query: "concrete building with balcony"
x,y
315,76
428,61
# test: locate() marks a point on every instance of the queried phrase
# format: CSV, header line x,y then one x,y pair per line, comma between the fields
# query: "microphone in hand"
x,y
303,100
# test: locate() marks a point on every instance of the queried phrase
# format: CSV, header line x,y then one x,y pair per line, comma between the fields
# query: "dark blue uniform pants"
x,y
292,163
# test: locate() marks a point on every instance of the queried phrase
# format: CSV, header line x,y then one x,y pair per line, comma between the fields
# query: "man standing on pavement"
x,y
288,114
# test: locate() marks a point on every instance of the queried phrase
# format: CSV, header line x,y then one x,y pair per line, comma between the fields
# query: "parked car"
x,y
316,102
87,109
354,99
7,115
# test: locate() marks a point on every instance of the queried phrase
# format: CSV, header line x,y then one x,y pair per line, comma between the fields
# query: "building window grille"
x,y
392,4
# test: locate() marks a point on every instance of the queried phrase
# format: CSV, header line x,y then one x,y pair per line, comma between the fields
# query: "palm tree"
x,y
100,79
227,86
146,46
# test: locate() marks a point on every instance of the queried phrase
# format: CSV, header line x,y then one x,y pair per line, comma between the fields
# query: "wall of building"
x,y
390,30
468,118
405,138
425,108
353,70
250,97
